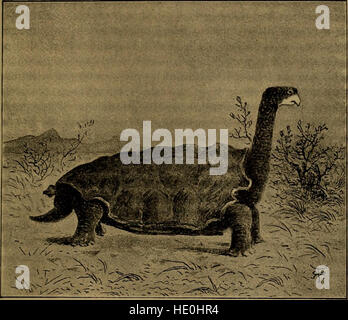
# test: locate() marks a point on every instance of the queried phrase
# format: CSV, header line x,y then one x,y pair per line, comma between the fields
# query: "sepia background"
x,y
176,64
102,67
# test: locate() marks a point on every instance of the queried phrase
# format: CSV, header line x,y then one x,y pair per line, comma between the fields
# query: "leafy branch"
x,y
242,118
69,153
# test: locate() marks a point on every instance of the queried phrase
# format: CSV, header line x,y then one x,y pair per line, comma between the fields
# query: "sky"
x,y
180,65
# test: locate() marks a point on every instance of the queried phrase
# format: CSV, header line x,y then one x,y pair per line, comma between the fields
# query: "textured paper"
x,y
102,67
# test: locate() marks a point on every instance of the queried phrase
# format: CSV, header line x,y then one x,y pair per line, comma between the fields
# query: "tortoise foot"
x,y
257,239
82,240
232,252
236,252
100,230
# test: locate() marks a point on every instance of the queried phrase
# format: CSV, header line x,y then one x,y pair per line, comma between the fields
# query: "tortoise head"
x,y
275,97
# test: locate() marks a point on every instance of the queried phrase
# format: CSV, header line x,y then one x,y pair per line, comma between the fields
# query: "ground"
x,y
299,236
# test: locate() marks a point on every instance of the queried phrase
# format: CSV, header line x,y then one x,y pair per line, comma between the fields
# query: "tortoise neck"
x,y
258,158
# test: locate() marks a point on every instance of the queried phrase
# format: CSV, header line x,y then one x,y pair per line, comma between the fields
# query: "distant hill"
x,y
56,143
107,146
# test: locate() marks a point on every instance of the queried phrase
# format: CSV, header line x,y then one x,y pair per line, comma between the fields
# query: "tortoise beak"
x,y
291,101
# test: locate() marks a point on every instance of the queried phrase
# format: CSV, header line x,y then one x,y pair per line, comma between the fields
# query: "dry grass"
x,y
299,235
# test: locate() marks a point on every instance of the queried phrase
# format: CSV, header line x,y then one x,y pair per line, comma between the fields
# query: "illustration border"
x,y
142,298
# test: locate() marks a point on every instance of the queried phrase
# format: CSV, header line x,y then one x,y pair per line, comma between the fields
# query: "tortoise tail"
x,y
53,215
106,219
105,205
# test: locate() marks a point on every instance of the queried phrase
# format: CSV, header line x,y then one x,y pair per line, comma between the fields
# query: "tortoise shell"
x,y
165,198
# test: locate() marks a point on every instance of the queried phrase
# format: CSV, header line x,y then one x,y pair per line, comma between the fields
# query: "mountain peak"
x,y
51,133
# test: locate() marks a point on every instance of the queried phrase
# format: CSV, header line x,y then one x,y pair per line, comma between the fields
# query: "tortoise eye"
x,y
290,92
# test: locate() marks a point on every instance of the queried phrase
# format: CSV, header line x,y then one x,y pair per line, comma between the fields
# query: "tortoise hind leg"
x,y
100,230
88,214
239,217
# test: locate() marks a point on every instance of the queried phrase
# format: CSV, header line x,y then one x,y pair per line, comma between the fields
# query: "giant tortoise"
x,y
173,199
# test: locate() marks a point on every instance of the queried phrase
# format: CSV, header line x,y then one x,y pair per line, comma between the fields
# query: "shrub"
x,y
303,159
37,162
41,158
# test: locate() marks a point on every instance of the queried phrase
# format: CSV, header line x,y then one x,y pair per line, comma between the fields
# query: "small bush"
x,y
36,162
42,158
302,159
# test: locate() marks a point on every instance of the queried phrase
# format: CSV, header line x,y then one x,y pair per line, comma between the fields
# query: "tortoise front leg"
x,y
88,214
255,226
239,217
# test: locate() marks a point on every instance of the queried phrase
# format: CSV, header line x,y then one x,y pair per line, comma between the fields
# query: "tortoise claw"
x,y
257,239
233,252
81,240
